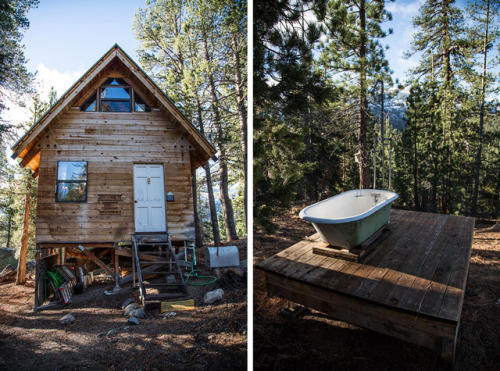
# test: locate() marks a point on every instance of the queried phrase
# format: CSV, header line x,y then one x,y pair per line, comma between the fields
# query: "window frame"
x,y
89,99
59,181
130,100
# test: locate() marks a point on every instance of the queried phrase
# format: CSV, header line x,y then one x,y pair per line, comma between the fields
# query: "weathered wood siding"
x,y
111,143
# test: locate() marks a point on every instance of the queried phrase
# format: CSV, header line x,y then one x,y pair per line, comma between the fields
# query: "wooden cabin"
x,y
113,156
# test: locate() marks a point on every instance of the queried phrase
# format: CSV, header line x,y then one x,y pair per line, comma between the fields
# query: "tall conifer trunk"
x,y
210,188
21,266
242,115
198,229
481,111
9,230
415,169
227,206
364,169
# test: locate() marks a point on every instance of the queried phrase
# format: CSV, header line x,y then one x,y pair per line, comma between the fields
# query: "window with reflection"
x,y
90,104
115,95
71,185
139,104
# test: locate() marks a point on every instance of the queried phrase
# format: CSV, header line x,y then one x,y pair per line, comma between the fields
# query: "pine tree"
x,y
14,76
287,90
28,191
484,15
352,48
186,45
444,62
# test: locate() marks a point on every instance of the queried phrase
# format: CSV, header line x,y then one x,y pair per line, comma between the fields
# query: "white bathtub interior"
x,y
348,205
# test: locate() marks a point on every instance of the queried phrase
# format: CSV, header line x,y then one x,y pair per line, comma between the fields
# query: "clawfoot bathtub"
x,y
350,218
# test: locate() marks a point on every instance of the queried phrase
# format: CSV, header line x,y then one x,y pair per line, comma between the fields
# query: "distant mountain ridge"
x,y
394,105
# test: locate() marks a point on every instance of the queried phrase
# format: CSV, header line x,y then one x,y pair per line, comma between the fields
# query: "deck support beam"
x,y
440,336
96,260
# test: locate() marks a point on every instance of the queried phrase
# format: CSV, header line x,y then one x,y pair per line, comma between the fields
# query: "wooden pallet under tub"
x,y
410,287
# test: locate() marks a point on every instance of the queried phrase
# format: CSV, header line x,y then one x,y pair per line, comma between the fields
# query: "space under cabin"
x,y
114,159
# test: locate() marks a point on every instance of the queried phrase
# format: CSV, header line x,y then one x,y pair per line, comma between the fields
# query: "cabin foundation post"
x,y
116,258
133,271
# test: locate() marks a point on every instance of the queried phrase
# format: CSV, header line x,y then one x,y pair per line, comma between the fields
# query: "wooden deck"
x,y
411,286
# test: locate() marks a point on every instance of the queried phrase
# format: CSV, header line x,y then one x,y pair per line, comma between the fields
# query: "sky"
x,y
399,42
66,37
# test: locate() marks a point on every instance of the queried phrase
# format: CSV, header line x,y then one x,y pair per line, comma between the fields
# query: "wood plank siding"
x,y
111,143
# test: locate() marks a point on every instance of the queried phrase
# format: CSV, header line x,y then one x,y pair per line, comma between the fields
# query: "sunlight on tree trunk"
x,y
21,266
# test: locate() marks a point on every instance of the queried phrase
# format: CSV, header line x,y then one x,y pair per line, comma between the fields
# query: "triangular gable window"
x,y
115,95
90,104
139,104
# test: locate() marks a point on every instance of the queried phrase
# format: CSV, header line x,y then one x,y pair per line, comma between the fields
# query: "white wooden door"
x,y
149,193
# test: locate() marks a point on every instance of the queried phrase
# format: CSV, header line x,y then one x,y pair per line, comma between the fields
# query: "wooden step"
x,y
165,295
162,272
161,262
158,260
152,243
146,285
155,304
153,252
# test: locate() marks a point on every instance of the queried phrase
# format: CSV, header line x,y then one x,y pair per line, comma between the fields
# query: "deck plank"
x,y
278,261
421,283
403,254
454,296
327,264
453,260
347,276
308,261
415,278
422,244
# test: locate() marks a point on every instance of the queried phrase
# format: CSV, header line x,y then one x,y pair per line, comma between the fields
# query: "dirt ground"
x,y
317,341
212,337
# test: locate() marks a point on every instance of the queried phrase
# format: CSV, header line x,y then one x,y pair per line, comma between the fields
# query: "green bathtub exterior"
x,y
352,234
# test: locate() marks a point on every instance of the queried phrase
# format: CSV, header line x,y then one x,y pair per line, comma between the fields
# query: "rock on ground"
x,y
127,302
139,313
213,296
67,319
129,309
133,321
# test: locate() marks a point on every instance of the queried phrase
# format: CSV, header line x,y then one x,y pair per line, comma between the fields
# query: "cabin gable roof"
x,y
114,60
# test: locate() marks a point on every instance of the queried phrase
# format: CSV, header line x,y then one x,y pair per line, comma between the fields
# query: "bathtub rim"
x,y
316,220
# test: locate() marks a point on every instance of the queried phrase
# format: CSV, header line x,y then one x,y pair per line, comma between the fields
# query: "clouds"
x,y
404,9
61,81
45,78
403,13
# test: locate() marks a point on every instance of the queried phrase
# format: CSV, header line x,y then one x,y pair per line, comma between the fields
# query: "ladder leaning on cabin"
x,y
166,260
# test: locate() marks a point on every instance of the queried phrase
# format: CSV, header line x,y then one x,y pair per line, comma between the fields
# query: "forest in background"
x,y
195,50
320,78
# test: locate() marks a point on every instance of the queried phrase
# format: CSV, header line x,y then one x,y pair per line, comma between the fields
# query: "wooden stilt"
x,y
116,265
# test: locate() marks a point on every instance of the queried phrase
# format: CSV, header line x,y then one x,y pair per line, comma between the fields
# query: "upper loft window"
x,y
115,95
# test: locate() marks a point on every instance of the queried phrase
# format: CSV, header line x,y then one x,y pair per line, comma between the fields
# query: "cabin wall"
x,y
111,143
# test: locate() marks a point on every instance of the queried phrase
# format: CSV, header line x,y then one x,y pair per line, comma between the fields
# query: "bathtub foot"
x,y
293,310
